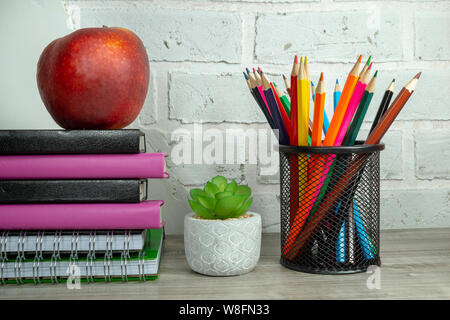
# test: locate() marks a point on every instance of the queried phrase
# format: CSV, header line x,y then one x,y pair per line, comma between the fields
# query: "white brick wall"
x,y
197,50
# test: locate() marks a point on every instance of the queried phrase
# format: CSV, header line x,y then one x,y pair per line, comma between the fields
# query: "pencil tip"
x,y
321,76
296,59
375,75
337,81
393,80
301,59
370,66
368,60
312,84
248,71
306,59
360,57
245,76
284,77
418,75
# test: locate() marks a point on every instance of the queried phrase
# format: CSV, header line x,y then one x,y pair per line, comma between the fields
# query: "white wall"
x,y
195,47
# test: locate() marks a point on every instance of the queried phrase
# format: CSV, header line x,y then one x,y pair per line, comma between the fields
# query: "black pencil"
x,y
384,105
254,90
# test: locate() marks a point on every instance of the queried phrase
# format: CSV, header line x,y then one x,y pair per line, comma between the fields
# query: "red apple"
x,y
94,78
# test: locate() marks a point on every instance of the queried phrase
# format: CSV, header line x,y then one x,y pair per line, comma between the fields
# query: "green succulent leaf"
x,y
243,190
211,188
220,195
225,206
201,210
231,187
197,192
221,182
207,202
243,208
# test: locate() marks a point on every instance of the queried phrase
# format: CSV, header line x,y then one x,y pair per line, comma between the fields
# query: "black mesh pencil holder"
x,y
330,208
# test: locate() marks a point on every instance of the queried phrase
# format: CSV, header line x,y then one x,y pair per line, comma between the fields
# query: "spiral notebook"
x,y
91,267
66,241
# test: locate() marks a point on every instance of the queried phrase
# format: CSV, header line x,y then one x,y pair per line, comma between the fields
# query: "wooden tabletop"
x,y
415,265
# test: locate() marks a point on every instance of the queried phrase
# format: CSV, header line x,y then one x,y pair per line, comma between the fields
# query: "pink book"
x,y
83,166
82,216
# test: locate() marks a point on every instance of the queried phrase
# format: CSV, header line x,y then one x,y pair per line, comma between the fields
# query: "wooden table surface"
x,y
415,265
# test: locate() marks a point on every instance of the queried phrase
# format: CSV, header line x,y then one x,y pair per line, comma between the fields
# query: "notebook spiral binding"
x,y
56,257
73,257
3,255
37,257
125,255
108,256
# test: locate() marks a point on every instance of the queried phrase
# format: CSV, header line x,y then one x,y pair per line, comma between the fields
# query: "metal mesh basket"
x,y
330,208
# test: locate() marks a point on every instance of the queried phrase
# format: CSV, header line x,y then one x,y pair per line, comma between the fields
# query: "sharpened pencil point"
x,y
360,57
393,80
370,66
375,75
321,76
337,81
245,76
306,59
418,75
248,71
312,84
301,59
284,77
368,60
296,59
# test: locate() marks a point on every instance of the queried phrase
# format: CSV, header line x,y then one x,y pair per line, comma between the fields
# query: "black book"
x,y
72,191
71,141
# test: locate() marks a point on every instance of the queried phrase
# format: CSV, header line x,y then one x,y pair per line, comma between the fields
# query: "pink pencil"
x,y
352,106
260,88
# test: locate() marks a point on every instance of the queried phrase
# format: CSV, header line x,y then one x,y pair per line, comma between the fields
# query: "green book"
x,y
93,267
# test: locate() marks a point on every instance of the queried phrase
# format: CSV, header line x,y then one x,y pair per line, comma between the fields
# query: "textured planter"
x,y
222,247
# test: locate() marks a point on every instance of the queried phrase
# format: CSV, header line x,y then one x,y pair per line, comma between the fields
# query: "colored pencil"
x,y
383,105
389,116
352,132
336,94
283,113
260,102
319,105
287,84
270,97
284,100
338,115
303,105
258,81
356,164
326,123
294,103
352,105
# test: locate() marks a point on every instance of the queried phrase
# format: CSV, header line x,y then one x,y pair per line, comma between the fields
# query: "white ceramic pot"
x,y
222,247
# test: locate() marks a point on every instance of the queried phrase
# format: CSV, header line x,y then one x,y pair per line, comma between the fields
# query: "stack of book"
x,y
73,203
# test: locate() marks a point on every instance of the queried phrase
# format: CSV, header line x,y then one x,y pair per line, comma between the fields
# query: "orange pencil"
x,y
341,107
319,105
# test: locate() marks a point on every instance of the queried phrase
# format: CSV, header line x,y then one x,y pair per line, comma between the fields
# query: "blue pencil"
x,y
337,94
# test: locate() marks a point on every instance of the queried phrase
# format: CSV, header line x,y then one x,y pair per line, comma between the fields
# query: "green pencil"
x,y
284,100
352,132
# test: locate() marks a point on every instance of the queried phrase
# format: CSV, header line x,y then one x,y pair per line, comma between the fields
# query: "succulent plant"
x,y
220,199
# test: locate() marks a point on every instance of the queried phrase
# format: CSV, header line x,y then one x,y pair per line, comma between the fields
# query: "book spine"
x,y
72,191
82,216
83,166
71,141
